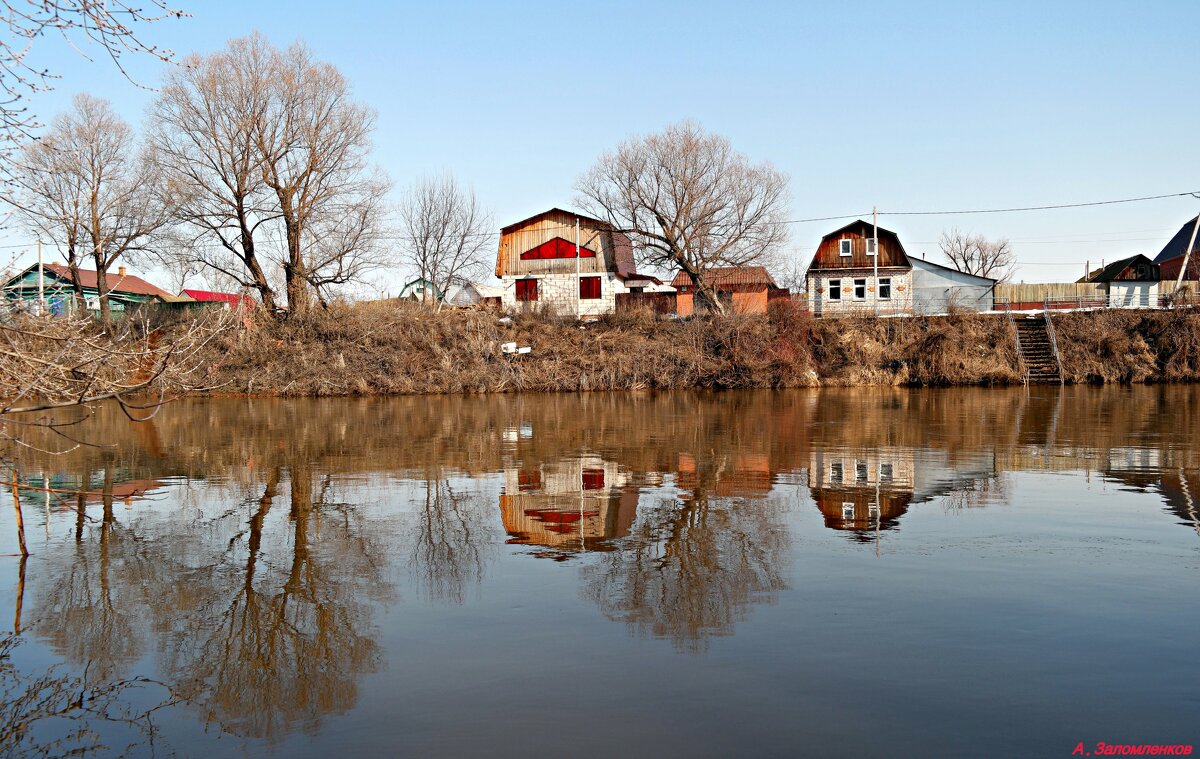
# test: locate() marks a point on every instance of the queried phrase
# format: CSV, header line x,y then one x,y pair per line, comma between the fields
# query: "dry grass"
x,y
398,348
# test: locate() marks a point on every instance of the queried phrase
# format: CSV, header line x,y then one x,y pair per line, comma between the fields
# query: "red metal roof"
x,y
116,283
209,296
727,276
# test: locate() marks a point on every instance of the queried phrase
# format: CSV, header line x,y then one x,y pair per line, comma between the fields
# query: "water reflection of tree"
x,y
265,615
692,569
451,540
96,711
280,629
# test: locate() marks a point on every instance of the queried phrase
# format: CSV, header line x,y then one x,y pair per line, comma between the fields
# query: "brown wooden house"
x,y
741,289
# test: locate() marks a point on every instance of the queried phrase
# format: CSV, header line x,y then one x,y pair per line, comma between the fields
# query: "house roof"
x,y
209,296
1113,270
893,254
1177,245
623,260
948,269
727,276
116,283
536,216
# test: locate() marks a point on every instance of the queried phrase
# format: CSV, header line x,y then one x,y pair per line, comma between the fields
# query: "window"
x,y
527,290
885,472
593,479
873,511
860,289
845,247
885,288
835,289
835,472
529,480
870,246
848,512
589,288
860,471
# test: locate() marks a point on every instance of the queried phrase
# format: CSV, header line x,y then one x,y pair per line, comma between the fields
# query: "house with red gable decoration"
x,y
570,263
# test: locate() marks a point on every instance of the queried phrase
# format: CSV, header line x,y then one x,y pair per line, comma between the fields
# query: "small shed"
x,y
741,289
1130,283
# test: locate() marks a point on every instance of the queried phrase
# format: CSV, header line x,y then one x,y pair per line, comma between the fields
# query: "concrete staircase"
x,y
1037,350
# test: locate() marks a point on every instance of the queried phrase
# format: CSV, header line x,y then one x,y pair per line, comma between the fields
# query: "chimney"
x,y
121,272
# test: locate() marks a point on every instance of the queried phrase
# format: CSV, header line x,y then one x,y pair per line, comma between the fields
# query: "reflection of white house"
x,y
571,504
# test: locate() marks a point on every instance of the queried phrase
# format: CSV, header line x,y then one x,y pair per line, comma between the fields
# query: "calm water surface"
x,y
865,573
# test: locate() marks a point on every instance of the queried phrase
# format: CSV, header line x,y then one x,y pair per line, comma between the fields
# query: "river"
x,y
865,572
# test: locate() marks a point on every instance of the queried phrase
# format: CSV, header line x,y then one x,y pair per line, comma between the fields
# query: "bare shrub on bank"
x,y
49,365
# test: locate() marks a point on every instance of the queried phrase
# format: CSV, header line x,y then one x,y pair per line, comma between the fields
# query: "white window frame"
x,y
837,468
872,245
862,471
873,511
886,471
847,512
845,247
879,288
838,284
856,280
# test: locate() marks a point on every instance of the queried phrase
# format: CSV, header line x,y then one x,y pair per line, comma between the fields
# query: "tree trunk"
x,y
102,291
265,293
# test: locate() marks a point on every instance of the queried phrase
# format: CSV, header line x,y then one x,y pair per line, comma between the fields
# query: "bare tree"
x,y
204,125
688,200
50,195
92,183
113,26
975,254
447,233
313,140
52,364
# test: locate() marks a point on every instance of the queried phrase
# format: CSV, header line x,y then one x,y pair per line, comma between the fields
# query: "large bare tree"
x,y
975,254
447,232
690,201
204,126
314,142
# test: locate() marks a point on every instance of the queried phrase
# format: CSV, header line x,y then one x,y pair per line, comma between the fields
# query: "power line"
x,y
1194,194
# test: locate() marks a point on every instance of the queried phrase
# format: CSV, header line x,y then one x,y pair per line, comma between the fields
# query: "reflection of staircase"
x,y
1037,350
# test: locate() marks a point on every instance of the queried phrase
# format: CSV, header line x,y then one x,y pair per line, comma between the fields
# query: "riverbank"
x,y
387,348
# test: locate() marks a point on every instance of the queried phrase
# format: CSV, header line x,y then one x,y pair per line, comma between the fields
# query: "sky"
x,y
913,106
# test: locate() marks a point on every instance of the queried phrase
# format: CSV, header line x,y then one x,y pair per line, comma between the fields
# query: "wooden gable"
x,y
828,255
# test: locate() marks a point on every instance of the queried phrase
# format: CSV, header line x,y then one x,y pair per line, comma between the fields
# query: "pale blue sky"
x,y
908,106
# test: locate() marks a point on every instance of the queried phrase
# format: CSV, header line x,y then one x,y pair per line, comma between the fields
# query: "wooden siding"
x,y
542,229
891,252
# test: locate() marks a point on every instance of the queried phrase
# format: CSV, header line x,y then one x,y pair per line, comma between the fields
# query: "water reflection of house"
x,y
569,505
63,491
1144,470
867,491
744,474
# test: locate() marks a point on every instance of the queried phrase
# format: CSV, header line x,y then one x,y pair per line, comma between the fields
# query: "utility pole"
x,y
875,259
41,281
1187,254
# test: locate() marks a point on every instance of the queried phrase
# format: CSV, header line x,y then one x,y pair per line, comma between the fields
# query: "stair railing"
x,y
1053,337
1016,333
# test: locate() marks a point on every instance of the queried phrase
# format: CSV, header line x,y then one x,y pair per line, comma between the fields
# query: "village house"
x,y
1129,283
570,263
740,289
125,290
1170,258
848,275
215,299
